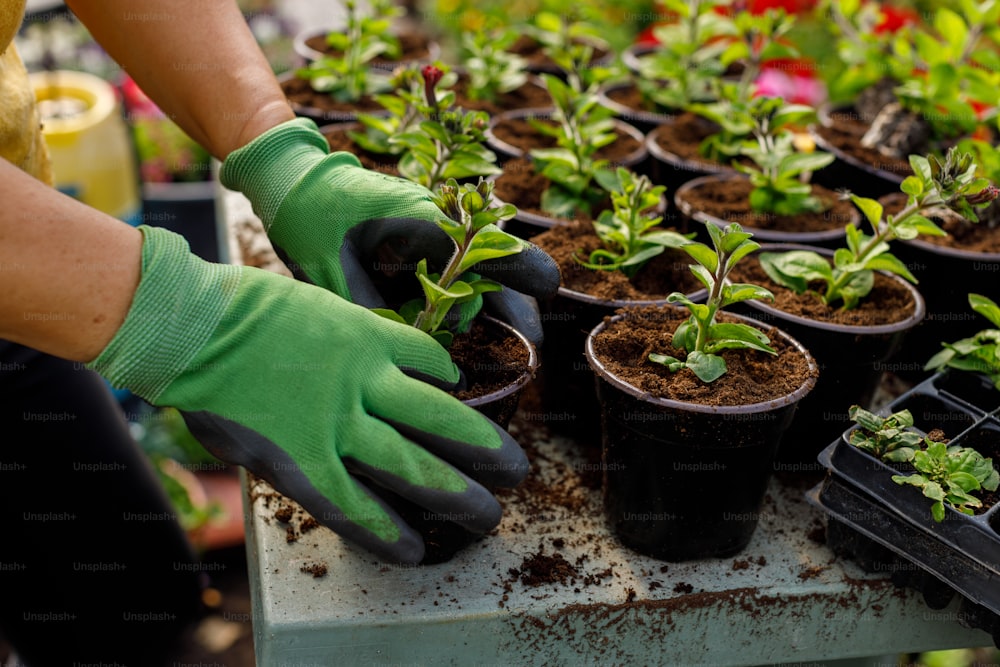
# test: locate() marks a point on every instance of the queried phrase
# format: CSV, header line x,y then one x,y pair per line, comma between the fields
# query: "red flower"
x,y
790,6
892,19
432,75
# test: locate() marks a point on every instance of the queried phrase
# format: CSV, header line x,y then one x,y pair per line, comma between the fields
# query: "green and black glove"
x,y
338,223
324,399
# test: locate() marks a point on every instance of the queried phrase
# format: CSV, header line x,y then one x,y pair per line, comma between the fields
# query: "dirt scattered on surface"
x,y
317,569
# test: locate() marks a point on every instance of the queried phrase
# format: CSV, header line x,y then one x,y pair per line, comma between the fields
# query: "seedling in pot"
x,y
781,175
946,475
952,184
688,66
470,221
978,354
700,335
350,77
492,69
448,143
569,42
579,180
630,234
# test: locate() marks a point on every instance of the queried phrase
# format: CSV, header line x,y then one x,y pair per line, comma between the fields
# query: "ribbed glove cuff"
x,y
267,167
176,308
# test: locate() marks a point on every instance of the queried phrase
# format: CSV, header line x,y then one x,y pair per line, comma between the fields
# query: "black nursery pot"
x,y
851,361
673,171
684,481
444,538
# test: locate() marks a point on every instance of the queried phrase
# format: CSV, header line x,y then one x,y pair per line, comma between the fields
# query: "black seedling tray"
x,y
862,528
934,403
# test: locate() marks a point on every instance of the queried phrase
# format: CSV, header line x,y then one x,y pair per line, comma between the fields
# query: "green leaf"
x,y
707,367
704,255
730,335
985,307
489,245
739,292
887,262
389,315
672,363
871,209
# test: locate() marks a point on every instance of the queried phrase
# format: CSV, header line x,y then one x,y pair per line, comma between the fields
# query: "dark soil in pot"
x,y
533,51
320,107
512,135
530,95
725,197
862,170
337,135
853,349
687,463
584,298
629,104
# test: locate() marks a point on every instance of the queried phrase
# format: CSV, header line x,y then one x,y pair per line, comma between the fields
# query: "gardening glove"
x,y
336,221
322,398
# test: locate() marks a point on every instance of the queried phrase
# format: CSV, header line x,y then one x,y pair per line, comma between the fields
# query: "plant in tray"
x,y
979,353
945,474
701,336
952,183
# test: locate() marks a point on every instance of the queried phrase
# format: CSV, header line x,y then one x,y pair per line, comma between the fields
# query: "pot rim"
x,y
632,159
309,54
948,251
919,309
752,408
522,380
768,235
657,151
627,113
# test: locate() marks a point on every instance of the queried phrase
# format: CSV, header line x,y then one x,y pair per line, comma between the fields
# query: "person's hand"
x,y
324,399
338,223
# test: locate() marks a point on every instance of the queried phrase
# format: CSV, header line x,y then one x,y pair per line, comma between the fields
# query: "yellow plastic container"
x,y
93,159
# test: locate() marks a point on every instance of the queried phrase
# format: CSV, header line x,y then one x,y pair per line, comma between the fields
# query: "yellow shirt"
x,y
21,141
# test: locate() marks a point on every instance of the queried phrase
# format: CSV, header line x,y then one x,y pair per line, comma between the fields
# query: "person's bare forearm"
x,y
67,271
198,61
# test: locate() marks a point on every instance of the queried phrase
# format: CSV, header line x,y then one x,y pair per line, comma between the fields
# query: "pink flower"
x,y
790,87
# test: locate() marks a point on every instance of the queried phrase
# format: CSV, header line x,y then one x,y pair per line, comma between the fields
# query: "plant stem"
x,y
450,273
713,301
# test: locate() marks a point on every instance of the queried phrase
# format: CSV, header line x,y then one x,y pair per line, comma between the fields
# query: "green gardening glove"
x,y
324,399
339,224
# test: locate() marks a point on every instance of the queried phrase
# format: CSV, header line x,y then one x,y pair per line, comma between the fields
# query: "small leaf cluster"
x,y
447,142
700,335
946,475
630,235
978,354
493,70
569,41
952,184
780,177
470,221
887,438
693,55
579,179
349,77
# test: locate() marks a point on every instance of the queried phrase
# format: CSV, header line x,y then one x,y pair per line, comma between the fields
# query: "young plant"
x,y
949,475
700,335
952,184
569,42
470,222
978,354
448,144
688,66
350,77
579,180
630,234
886,438
781,176
493,70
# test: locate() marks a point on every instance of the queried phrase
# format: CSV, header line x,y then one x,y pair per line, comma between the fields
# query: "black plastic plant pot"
x,y
859,525
850,172
684,481
851,360
669,169
827,238
645,120
946,275
290,83
442,537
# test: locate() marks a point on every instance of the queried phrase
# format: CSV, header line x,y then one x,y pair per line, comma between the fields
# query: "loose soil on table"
x,y
729,200
888,302
518,132
413,46
300,94
844,132
340,140
962,234
665,273
752,377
